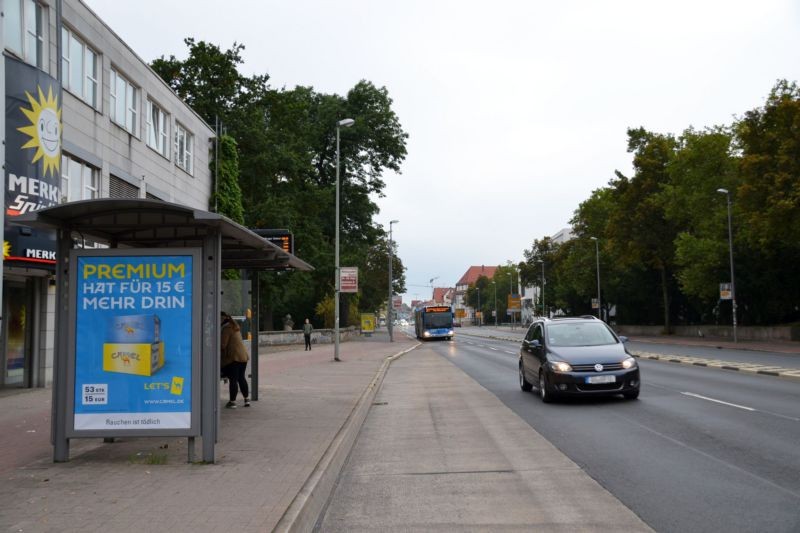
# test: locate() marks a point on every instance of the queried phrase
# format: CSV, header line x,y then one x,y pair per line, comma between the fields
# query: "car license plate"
x,y
601,379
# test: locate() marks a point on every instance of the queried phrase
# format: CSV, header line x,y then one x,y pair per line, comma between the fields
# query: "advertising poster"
x,y
133,342
33,161
367,323
348,279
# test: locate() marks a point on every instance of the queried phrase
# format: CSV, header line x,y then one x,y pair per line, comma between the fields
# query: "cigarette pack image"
x,y
141,359
136,329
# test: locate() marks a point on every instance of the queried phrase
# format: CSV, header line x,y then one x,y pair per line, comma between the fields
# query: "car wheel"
x,y
544,394
524,384
632,395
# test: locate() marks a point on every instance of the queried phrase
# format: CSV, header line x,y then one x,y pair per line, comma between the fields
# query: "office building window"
x,y
157,129
24,26
119,188
81,68
124,102
183,148
79,181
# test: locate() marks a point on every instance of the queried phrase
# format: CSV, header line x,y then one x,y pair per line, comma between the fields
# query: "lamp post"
x,y
477,313
389,309
510,293
542,262
495,302
730,251
344,123
597,254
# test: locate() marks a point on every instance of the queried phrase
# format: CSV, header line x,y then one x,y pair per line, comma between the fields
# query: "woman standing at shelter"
x,y
234,360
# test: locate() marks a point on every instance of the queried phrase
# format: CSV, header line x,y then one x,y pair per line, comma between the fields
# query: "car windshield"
x,y
579,334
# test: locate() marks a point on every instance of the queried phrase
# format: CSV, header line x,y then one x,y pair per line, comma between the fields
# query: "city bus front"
x,y
437,323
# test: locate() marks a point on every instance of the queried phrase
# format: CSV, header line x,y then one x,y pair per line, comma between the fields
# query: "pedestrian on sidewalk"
x,y
234,360
307,329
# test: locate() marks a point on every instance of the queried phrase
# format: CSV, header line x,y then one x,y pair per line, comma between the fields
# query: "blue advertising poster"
x,y
133,342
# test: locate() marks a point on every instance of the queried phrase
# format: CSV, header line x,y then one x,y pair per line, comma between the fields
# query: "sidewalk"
x,y
439,452
271,457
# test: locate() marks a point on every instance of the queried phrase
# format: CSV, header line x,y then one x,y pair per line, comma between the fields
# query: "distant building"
x,y
443,296
530,298
465,313
562,236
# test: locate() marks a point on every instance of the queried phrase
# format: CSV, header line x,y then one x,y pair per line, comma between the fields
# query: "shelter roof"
x,y
145,223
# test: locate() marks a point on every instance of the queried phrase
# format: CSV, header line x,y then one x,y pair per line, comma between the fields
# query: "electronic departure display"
x,y
282,238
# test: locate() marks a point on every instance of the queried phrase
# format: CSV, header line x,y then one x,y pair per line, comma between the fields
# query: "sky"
x,y
516,110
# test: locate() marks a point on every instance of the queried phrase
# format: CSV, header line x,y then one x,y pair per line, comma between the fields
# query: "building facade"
x,y
123,133
465,314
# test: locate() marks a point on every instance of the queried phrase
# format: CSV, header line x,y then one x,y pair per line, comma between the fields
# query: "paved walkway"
x,y
268,455
439,452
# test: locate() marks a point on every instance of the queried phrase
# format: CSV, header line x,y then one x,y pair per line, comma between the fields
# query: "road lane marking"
x,y
512,353
717,401
492,348
714,458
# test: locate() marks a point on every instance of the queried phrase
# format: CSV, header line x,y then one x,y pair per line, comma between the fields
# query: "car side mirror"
x,y
623,338
535,343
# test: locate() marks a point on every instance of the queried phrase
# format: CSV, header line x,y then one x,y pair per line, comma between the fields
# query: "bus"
x,y
433,322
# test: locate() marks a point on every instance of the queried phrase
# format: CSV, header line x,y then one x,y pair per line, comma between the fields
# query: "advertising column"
x,y
134,340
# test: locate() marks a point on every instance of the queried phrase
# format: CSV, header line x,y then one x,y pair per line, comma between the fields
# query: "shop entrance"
x,y
16,335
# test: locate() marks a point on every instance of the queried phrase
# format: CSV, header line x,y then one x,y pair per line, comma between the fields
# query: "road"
x,y
701,450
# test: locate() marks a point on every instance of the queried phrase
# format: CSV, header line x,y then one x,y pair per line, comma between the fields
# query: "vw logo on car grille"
x,y
598,367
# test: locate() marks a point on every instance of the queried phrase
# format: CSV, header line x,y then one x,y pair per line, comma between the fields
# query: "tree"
x,y
703,163
227,197
638,231
287,156
767,207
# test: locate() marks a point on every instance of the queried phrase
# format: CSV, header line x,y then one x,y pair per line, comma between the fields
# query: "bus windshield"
x,y
438,320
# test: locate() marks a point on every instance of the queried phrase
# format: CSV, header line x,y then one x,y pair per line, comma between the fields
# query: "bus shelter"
x,y
137,321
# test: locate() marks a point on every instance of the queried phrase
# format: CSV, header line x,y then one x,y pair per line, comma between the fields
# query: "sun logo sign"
x,y
44,130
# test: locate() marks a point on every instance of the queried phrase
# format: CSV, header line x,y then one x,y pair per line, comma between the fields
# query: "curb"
x,y
747,368
303,513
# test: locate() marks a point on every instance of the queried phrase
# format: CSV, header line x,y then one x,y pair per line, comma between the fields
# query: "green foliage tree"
x,y
766,215
638,231
227,197
703,163
286,140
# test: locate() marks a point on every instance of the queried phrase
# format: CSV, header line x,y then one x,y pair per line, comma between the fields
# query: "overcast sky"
x,y
517,110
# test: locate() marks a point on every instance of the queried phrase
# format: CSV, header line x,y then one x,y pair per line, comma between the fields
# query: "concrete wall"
x,y
318,336
766,333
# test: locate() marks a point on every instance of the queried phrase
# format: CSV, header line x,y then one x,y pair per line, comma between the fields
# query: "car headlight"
x,y
450,332
560,366
629,363
427,334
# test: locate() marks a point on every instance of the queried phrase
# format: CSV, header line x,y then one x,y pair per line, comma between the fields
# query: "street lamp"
x,y
730,251
542,262
477,314
510,292
597,254
389,306
344,123
495,302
